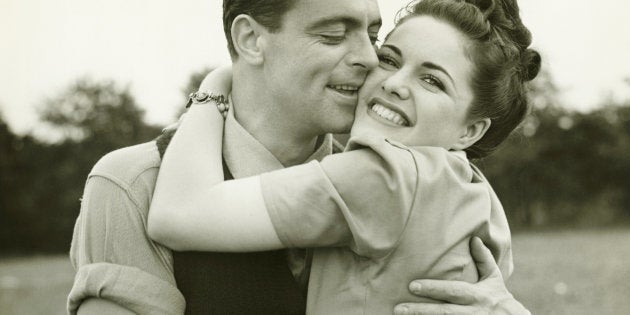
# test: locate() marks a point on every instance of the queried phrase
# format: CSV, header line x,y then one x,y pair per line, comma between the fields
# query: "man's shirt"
x,y
111,251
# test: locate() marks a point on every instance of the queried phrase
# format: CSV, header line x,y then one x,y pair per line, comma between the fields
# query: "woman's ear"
x,y
475,130
247,40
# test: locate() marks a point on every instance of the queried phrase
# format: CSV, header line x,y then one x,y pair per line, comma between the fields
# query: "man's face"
x,y
318,60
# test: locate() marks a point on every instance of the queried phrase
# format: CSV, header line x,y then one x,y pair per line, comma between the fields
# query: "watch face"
x,y
201,96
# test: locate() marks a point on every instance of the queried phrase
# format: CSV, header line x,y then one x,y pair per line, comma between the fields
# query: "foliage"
x,y
564,168
42,182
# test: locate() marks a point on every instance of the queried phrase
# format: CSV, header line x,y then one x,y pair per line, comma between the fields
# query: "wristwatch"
x,y
200,97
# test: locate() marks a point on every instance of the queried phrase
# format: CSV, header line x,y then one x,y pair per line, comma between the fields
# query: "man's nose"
x,y
364,54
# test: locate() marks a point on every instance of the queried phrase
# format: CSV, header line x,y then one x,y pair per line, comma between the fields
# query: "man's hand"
x,y
488,296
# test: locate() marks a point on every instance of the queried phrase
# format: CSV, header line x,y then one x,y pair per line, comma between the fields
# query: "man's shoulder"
x,y
125,165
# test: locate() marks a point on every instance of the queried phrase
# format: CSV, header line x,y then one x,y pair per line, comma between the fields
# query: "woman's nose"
x,y
396,85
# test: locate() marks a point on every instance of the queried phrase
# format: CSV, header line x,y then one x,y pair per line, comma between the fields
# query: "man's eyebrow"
x,y
340,19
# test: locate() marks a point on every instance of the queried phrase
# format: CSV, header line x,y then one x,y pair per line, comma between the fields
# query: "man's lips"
x,y
346,89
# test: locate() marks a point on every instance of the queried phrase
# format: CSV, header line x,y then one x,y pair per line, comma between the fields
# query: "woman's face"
x,y
420,93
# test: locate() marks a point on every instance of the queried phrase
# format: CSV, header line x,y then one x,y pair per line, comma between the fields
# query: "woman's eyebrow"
x,y
393,48
431,65
426,64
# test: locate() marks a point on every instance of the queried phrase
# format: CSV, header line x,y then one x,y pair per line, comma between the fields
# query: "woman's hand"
x,y
488,296
218,81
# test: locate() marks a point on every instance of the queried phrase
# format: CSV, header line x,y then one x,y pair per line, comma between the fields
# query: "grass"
x,y
568,272
572,272
35,285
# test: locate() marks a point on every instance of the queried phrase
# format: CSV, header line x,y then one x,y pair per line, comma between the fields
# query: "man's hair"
x,y
269,13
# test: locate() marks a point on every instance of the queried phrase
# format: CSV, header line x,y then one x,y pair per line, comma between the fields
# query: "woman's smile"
x,y
387,112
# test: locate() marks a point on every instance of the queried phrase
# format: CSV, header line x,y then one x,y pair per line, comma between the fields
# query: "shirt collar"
x,y
245,156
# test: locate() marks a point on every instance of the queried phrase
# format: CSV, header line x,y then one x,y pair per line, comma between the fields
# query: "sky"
x,y
154,46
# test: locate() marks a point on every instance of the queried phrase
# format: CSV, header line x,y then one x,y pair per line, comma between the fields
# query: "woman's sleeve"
x,y
361,198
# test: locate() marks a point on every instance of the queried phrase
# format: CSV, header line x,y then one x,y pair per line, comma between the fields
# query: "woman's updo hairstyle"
x,y
502,61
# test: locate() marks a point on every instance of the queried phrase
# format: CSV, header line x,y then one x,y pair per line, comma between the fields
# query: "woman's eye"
x,y
433,81
388,61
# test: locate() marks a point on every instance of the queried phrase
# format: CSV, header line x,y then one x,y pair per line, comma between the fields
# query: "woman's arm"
x,y
312,205
181,214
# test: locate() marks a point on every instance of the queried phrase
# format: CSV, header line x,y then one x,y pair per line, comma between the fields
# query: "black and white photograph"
x,y
314,157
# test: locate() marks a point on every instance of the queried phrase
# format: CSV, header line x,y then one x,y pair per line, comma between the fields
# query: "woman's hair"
x,y
269,13
502,61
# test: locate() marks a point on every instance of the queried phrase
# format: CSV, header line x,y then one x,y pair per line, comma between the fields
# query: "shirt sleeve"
x,y
361,198
114,257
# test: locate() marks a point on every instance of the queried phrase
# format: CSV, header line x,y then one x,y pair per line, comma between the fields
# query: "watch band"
x,y
200,97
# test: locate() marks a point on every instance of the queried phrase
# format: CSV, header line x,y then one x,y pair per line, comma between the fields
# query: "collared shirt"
x,y
111,251
245,157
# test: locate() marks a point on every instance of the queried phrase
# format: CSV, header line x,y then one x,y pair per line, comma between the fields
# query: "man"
x,y
297,67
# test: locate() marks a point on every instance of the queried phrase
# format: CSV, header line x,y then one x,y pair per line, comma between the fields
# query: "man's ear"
x,y
475,130
246,37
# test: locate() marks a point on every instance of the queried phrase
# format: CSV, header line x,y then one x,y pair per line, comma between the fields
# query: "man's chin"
x,y
341,125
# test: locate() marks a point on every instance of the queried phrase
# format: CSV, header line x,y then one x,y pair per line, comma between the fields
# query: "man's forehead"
x,y
319,13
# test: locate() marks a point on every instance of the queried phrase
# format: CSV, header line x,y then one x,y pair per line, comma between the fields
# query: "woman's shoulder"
x,y
440,163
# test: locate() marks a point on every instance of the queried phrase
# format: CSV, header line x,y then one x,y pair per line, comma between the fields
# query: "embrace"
x,y
250,206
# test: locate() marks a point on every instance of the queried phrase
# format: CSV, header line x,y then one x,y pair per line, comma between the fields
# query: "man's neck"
x,y
289,144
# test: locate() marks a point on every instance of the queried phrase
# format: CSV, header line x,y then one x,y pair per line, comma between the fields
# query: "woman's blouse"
x,y
385,214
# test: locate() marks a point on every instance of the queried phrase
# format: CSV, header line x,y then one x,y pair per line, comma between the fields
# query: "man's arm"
x,y
488,296
118,267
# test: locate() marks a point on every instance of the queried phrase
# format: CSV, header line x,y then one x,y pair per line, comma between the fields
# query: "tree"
x,y
99,112
8,177
47,179
563,167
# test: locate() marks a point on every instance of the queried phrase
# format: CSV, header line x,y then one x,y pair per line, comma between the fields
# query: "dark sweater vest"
x,y
235,283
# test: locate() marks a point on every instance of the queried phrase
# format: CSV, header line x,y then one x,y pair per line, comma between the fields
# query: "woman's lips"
x,y
388,114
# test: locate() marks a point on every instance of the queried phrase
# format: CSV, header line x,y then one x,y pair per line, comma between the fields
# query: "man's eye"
x,y
432,80
374,39
332,39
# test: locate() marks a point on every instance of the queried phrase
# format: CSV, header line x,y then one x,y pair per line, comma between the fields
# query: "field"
x,y
573,272
556,273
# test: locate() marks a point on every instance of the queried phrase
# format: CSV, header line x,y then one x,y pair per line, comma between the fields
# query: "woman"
x,y
450,86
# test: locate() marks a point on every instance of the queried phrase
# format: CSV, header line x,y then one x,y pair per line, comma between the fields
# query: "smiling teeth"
x,y
344,87
389,114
